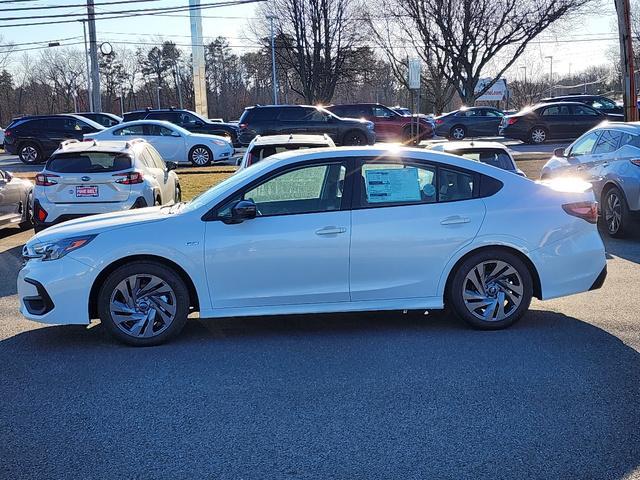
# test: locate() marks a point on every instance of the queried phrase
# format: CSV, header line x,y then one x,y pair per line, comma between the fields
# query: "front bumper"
x,y
56,292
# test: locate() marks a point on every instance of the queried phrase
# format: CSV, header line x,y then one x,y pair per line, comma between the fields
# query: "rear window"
x,y
89,162
496,158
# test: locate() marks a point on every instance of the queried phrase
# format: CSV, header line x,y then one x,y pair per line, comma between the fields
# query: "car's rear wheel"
x,y
354,138
538,135
200,156
30,153
143,303
458,132
615,213
491,289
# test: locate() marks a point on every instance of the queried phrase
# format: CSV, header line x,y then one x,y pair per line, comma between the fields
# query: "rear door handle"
x,y
330,230
454,220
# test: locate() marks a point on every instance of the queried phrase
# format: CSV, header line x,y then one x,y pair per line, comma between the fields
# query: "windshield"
x,y
89,162
495,158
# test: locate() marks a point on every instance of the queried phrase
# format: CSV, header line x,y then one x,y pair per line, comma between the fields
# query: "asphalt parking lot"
x,y
358,396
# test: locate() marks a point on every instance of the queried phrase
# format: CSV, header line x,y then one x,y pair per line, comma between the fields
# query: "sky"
x,y
573,49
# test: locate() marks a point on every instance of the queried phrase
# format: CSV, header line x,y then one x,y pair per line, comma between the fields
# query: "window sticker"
x,y
392,185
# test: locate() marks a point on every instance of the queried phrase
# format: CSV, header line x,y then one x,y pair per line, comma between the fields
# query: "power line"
x,y
11,45
75,5
118,15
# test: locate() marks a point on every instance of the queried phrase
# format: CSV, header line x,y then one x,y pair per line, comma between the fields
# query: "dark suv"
x,y
600,103
35,138
390,126
287,119
188,120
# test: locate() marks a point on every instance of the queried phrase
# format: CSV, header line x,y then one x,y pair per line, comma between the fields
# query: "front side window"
x,y
493,113
382,112
584,110
187,119
308,189
584,145
129,130
608,142
159,131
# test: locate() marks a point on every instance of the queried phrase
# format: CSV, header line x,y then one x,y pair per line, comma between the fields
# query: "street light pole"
x,y
273,63
550,75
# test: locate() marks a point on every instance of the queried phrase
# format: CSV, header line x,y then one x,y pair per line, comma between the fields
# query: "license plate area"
x,y
83,191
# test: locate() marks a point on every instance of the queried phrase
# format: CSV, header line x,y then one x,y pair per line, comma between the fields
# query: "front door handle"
x,y
330,230
454,220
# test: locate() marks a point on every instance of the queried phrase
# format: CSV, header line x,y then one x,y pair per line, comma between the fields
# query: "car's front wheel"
x,y
143,303
491,289
200,156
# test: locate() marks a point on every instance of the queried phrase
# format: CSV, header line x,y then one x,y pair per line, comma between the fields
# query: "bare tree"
x,y
315,40
467,38
6,49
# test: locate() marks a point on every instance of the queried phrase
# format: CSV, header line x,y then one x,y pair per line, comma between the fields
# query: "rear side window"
x,y
258,115
261,152
168,116
293,114
89,162
608,142
584,110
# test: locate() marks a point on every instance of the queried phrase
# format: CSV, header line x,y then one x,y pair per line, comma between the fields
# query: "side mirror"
x,y
559,152
171,165
243,210
175,134
8,176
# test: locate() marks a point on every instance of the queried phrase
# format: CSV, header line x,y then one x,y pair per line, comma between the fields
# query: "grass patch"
x,y
531,168
195,181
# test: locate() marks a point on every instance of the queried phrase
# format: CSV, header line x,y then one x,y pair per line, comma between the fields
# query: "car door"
x,y
168,142
10,197
491,121
605,153
408,219
583,118
296,250
579,156
558,121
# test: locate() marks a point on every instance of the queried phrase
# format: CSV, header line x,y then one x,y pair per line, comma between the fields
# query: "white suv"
x,y
91,177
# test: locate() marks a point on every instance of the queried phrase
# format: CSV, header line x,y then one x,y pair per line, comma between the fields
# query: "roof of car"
x,y
110,146
292,139
630,127
464,145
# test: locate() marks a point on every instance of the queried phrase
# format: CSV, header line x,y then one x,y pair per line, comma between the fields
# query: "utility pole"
x,y
273,63
93,53
550,75
158,93
86,57
176,74
197,52
626,59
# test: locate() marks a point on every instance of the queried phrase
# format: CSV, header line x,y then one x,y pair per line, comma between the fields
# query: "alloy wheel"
x,y
492,290
29,154
458,133
538,135
613,212
143,306
200,156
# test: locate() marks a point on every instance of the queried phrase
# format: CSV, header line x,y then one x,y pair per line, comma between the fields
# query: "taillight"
x,y
46,179
129,178
439,121
635,161
586,210
512,120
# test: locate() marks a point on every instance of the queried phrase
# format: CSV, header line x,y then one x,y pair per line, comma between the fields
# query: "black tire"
x,y
200,156
615,213
494,291
179,300
178,194
30,153
538,135
27,212
354,138
157,202
458,132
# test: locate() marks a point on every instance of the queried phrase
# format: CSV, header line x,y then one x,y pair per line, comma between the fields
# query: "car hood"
x,y
100,223
359,121
206,137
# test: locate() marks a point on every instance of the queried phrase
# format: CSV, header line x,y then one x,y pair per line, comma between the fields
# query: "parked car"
x,y
105,119
88,178
318,231
2,138
490,153
262,147
306,119
602,104
547,121
469,122
188,120
609,158
172,142
34,138
16,200
389,125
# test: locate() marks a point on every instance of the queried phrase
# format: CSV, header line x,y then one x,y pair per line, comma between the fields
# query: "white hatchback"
x,y
173,142
316,231
91,177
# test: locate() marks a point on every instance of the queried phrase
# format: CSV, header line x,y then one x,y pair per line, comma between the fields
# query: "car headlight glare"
x,y
220,143
55,250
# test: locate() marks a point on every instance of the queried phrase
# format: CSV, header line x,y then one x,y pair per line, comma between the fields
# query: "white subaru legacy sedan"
x,y
327,230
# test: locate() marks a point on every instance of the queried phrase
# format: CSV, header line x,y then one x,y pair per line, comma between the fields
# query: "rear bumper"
x,y
600,280
10,148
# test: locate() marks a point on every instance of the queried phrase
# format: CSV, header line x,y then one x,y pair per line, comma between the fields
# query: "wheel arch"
x,y
535,277
194,300
352,130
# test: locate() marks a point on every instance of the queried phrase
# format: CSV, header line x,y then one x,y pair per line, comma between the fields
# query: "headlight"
x,y
220,143
55,250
